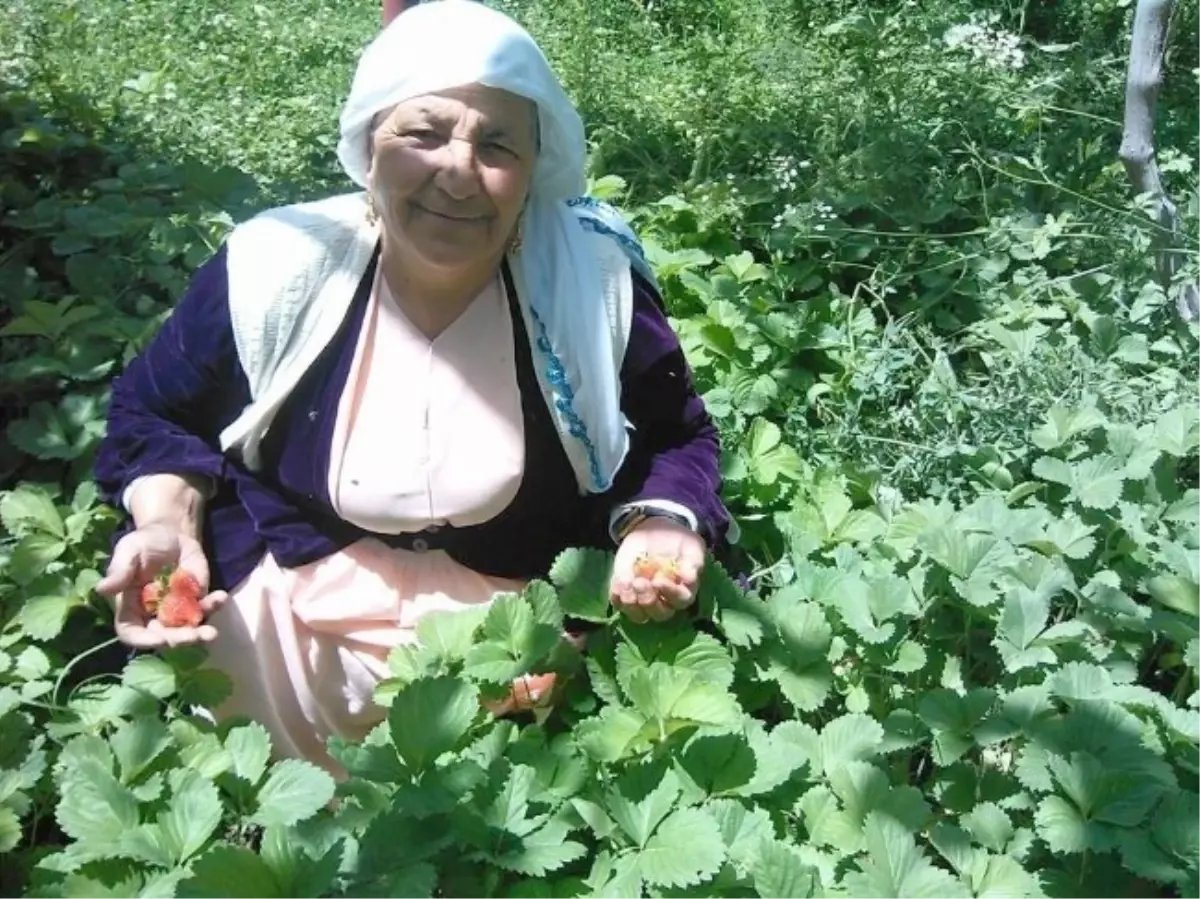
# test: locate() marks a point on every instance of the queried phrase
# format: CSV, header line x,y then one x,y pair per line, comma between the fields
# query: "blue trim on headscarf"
x,y
602,218
565,402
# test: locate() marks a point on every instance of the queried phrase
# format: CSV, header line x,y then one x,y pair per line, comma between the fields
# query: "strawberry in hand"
x,y
174,599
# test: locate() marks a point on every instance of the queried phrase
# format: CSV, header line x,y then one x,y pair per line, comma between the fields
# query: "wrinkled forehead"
x,y
494,109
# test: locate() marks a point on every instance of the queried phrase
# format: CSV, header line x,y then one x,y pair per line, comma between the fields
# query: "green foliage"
x,y
961,439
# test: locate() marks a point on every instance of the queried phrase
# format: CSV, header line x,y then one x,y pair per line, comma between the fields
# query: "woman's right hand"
x,y
137,559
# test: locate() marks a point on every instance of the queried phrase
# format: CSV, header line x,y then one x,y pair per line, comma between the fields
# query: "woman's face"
x,y
450,172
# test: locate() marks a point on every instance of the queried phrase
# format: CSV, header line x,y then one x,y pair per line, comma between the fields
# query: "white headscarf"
x,y
435,46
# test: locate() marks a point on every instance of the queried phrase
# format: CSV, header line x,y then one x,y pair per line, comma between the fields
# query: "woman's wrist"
x,y
174,501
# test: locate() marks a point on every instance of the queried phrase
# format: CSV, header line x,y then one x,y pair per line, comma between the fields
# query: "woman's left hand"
x,y
659,597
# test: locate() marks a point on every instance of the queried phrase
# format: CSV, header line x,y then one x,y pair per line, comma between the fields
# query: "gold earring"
x,y
372,213
514,243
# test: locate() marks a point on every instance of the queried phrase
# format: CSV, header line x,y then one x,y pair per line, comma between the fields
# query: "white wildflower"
x,y
987,42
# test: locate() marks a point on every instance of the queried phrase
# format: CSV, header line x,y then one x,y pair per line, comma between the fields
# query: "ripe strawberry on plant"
x,y
174,599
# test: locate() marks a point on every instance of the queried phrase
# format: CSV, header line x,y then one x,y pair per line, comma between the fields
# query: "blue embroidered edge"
x,y
565,402
628,242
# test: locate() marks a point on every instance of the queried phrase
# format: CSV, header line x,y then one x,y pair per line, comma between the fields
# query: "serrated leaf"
x,y
137,744
894,866
150,674
827,823
1174,592
229,871
989,825
719,763
1024,616
1071,537
449,634
10,829
1098,481
42,617
193,815
430,717
910,658
293,791
1079,680
708,659
1178,431
742,829
778,869
686,849
611,735
249,747
541,852
1061,826
1002,877
147,843
93,802
1063,423
582,577
850,738
639,818
28,507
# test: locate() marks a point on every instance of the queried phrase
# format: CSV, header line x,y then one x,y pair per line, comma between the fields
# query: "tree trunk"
x,y
1150,24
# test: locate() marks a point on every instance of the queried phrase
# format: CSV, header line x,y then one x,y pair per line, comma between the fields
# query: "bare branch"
x,y
1150,28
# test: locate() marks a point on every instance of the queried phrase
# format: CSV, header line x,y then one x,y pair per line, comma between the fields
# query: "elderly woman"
x,y
411,397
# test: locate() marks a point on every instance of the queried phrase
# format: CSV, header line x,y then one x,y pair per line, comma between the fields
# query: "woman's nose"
x,y
458,174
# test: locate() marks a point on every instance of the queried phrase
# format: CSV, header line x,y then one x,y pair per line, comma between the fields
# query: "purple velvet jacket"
x,y
174,399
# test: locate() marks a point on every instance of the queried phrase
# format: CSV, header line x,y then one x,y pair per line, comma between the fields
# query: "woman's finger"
x,y
675,595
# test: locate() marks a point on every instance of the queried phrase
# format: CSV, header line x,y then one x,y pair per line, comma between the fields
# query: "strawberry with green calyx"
x,y
650,566
174,599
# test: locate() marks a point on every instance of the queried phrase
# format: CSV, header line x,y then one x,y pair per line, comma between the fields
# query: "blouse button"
x,y
420,545
312,415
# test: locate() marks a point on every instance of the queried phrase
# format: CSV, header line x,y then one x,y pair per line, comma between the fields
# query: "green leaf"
x,y
1178,432
137,744
719,763
610,735
639,818
1098,481
541,852
850,738
582,577
32,556
1176,593
249,747
1024,616
1063,423
910,658
229,871
742,829
430,717
1002,877
779,870
293,791
94,803
151,674
30,508
686,849
449,635
193,815
10,829
1061,826
894,866
989,825
42,617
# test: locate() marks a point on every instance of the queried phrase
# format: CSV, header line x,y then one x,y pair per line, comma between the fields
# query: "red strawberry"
x,y
184,583
153,593
179,610
174,599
